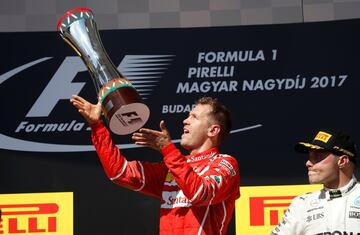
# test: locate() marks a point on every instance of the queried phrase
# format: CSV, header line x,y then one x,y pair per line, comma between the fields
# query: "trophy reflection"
x,y
121,104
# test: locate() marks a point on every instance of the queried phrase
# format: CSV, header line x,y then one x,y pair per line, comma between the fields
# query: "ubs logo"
x,y
314,217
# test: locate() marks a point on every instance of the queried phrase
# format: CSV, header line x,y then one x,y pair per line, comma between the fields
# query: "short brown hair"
x,y
220,113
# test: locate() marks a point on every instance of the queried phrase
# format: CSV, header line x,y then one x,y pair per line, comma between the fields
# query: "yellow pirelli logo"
x,y
322,136
37,213
260,208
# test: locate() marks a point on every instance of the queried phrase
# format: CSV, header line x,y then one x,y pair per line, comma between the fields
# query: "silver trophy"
x,y
121,104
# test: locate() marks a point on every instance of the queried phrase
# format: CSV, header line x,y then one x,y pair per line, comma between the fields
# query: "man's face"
x,y
196,127
322,168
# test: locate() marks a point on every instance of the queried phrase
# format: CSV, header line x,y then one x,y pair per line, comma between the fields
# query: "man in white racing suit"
x,y
334,210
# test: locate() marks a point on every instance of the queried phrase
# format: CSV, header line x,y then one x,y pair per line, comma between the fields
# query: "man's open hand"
x,y
91,112
151,138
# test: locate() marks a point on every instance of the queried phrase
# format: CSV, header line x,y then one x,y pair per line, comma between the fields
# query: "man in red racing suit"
x,y
197,191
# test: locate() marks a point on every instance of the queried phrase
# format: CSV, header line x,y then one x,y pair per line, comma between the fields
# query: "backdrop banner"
x,y
260,208
282,83
37,213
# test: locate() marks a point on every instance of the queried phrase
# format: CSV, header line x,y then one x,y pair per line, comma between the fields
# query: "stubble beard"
x,y
314,178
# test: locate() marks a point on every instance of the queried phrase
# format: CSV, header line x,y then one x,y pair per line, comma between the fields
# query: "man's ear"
x,y
214,130
343,161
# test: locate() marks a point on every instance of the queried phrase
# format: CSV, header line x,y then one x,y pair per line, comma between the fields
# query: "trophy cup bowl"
x,y
121,104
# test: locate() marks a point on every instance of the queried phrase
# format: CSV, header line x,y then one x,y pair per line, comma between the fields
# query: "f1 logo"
x,y
275,203
60,87
131,117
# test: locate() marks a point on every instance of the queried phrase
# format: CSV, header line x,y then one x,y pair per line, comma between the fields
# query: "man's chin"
x,y
313,181
184,144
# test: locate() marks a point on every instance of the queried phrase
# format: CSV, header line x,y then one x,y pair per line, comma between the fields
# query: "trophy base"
x,y
124,111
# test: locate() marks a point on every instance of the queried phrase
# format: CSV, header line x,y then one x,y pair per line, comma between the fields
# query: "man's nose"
x,y
309,163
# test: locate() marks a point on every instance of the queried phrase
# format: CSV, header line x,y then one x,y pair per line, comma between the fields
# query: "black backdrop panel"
x,y
281,82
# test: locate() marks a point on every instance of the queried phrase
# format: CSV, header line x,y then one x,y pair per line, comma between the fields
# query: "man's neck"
x,y
343,180
201,149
